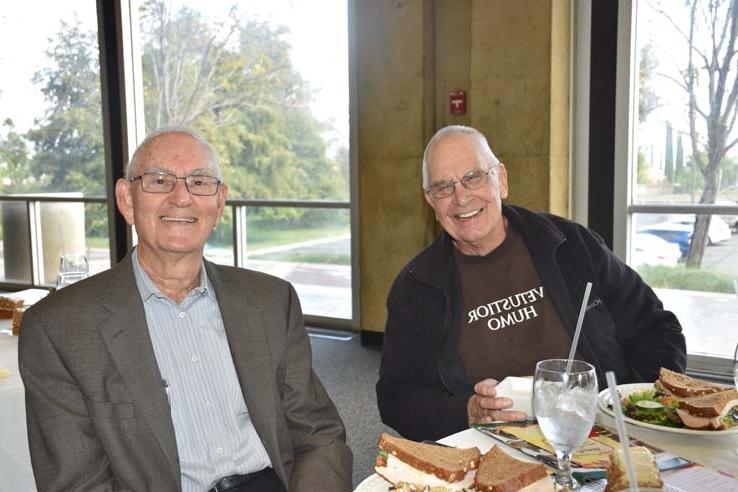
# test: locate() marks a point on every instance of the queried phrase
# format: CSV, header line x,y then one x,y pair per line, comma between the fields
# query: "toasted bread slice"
x,y
711,405
683,385
644,466
449,464
500,472
707,411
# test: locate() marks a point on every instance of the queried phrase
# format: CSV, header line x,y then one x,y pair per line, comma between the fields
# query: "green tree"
x,y
67,141
14,173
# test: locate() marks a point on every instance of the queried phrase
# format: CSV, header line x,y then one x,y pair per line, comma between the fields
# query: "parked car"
x,y
672,232
719,231
649,249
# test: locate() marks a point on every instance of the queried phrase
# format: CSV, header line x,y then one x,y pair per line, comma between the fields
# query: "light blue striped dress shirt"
x,y
215,436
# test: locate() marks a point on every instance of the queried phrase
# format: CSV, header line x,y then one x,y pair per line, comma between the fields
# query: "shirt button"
x,y
195,358
208,404
219,451
182,314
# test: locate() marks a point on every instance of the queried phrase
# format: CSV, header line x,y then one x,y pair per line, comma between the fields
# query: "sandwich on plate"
x,y
709,412
500,472
644,466
681,385
699,404
411,465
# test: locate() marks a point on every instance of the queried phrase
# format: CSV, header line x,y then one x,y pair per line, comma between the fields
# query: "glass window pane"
x,y
51,134
311,248
703,298
266,82
219,246
16,264
680,152
72,229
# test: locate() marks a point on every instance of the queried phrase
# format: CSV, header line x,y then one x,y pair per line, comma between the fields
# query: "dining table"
x,y
717,452
15,460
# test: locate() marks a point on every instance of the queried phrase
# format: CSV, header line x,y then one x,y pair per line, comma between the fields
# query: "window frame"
x,y
124,127
625,155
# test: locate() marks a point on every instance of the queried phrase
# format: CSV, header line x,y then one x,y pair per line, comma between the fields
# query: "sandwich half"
x,y
709,411
500,472
681,385
644,466
402,461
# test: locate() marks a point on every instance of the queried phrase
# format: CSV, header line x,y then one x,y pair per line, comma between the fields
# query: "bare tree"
x,y
711,84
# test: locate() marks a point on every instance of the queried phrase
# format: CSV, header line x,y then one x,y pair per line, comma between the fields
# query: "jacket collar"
x,y
434,265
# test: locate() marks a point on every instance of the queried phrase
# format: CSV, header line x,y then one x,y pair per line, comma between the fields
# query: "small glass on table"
x,y
72,268
565,405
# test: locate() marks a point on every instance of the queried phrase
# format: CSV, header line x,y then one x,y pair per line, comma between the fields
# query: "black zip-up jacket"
x,y
423,391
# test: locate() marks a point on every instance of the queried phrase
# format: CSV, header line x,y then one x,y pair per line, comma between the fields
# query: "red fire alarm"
x,y
457,102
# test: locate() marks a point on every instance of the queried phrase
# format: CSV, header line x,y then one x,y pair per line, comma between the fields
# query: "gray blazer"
x,y
97,413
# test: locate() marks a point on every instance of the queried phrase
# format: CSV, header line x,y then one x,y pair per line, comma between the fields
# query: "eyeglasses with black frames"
x,y
471,181
197,184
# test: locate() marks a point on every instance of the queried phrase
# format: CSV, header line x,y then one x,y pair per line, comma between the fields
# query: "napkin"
x,y
520,391
4,372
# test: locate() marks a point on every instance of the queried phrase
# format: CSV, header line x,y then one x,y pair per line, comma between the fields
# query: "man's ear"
x,y
124,199
222,196
502,180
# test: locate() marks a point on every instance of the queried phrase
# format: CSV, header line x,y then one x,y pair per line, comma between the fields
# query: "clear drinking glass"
x,y
565,407
72,268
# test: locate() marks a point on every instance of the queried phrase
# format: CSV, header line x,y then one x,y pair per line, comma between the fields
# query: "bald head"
x,y
447,132
212,158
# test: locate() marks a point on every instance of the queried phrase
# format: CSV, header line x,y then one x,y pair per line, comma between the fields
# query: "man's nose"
x,y
461,195
180,194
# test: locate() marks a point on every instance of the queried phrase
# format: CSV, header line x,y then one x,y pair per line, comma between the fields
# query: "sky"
x,y
318,36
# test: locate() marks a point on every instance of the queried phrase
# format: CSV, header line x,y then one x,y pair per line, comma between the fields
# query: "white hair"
x,y
212,156
453,130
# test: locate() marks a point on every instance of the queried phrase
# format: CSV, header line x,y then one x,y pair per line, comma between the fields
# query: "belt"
x,y
234,481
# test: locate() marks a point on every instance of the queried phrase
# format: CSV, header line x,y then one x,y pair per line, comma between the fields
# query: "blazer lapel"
x,y
127,337
247,338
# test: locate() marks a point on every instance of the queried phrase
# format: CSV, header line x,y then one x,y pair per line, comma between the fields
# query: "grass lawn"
x,y
258,237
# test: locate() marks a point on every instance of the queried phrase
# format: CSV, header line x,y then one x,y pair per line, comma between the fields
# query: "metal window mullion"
x,y
239,235
35,236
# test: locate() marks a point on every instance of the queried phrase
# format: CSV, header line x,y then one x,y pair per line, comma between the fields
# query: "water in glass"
x,y
565,407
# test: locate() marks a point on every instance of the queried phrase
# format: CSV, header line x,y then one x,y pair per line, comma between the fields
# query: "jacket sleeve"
x,y
322,460
651,337
65,452
410,394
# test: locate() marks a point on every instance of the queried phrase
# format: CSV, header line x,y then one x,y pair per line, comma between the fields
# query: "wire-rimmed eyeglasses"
x,y
471,181
197,184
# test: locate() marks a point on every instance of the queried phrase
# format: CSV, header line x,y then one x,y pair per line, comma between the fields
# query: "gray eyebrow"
x,y
201,171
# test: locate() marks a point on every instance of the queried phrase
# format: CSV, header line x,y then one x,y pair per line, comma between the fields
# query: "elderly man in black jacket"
x,y
500,289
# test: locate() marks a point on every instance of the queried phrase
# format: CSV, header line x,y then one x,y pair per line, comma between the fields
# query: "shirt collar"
x,y
147,288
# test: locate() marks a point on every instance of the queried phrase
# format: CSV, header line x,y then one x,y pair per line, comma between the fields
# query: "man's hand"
x,y
484,406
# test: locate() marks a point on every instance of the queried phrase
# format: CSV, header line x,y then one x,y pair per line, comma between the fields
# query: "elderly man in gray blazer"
x,y
169,372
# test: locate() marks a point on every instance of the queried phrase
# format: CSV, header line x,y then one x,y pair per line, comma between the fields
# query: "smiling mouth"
x,y
181,220
468,215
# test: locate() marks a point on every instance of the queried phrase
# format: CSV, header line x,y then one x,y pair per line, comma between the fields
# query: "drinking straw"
x,y
622,433
574,342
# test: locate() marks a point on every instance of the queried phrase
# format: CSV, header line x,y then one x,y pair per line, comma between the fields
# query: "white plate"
x,y
627,389
373,483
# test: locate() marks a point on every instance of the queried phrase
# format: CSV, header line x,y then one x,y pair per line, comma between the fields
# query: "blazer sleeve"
x,y
322,459
65,452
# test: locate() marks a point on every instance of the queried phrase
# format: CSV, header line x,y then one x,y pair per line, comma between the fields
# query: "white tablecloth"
x,y
15,461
